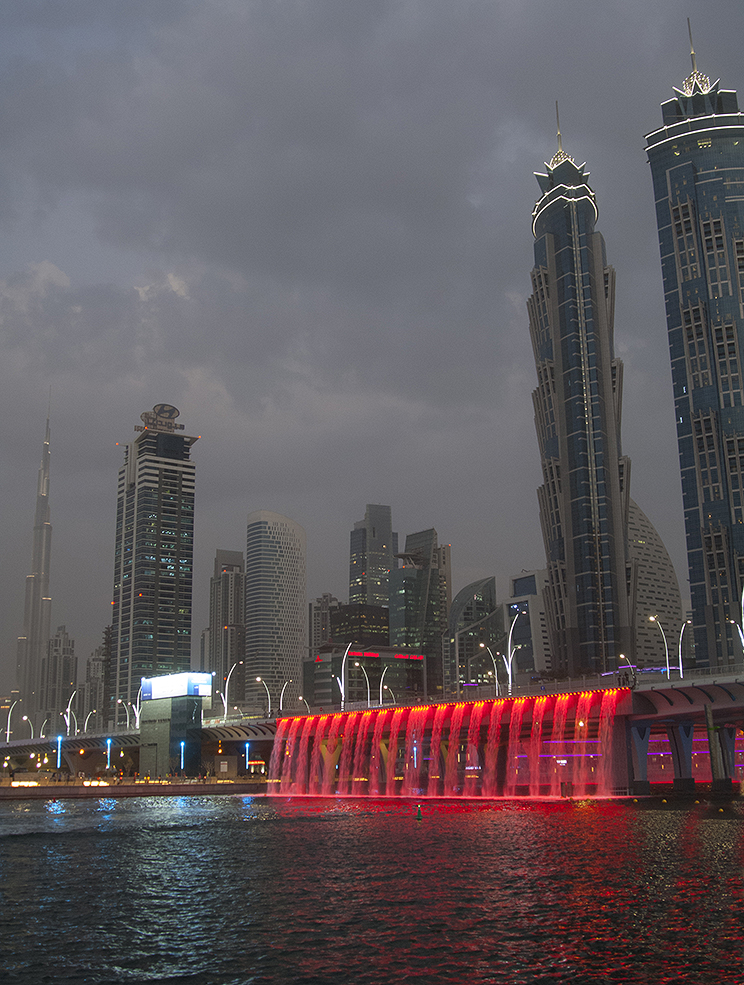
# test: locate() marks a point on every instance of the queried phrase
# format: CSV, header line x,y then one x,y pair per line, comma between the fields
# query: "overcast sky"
x,y
308,226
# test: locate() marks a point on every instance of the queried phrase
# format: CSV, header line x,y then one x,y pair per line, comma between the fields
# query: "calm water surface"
x,y
233,890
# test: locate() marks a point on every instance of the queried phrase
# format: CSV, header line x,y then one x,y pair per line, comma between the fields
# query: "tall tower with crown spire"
x,y
697,166
32,646
584,499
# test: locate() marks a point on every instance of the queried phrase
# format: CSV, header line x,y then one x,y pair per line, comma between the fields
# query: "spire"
x,y
696,81
560,155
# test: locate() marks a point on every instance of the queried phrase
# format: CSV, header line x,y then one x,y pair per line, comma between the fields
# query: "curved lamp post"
x,y
126,709
663,636
382,678
281,696
227,687
87,719
300,698
268,694
67,713
31,724
137,708
510,651
7,727
386,688
342,679
495,668
686,623
357,664
43,726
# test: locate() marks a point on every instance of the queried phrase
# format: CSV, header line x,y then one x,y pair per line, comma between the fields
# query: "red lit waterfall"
x,y
547,746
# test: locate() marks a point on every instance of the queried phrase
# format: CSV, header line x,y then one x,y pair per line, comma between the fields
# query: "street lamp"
x,y
686,623
67,713
386,688
510,650
382,678
227,686
357,664
342,679
7,728
27,719
663,636
87,719
300,698
281,695
268,694
621,656
126,709
495,669
137,708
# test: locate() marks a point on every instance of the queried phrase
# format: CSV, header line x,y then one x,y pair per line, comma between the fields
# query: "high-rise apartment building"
x,y
225,648
32,646
275,610
373,546
154,552
319,615
584,497
697,166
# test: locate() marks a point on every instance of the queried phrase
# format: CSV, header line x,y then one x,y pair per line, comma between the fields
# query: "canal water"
x,y
237,890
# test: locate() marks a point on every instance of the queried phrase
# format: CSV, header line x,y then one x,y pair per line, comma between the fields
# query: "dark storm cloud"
x,y
307,224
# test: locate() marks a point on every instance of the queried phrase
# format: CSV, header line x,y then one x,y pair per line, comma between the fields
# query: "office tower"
x,y
154,553
583,499
226,635
697,164
32,646
474,618
58,685
275,610
656,591
367,625
420,598
373,546
319,615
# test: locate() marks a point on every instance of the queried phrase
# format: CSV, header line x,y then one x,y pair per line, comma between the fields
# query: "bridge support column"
x,y
680,741
721,759
639,735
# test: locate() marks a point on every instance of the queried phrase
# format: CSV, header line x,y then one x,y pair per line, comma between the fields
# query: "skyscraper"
x,y
226,636
584,497
154,553
373,545
275,609
420,599
32,646
59,679
697,166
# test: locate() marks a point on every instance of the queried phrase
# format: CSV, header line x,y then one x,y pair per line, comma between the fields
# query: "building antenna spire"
x,y
558,124
692,50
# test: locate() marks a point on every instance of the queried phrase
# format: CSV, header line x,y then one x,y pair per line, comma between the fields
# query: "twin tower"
x,y
600,597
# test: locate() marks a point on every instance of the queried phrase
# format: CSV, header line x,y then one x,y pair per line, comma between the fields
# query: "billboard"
x,y
177,686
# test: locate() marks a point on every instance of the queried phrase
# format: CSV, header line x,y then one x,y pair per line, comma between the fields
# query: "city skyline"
x,y
347,326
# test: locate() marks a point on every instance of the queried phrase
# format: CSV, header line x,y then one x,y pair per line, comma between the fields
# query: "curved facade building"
x,y
275,609
583,499
697,166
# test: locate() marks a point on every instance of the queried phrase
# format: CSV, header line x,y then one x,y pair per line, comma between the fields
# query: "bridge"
x,y
600,737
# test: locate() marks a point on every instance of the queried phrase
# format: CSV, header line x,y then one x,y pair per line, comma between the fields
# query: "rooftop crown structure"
x,y
697,166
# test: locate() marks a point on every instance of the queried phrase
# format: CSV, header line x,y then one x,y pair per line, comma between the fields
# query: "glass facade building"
x,y
583,499
372,547
154,556
697,166
275,610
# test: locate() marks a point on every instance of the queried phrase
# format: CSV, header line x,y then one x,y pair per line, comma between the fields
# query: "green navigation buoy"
x,y
419,815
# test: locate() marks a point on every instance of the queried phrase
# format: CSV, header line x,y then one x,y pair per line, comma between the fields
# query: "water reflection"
x,y
217,890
